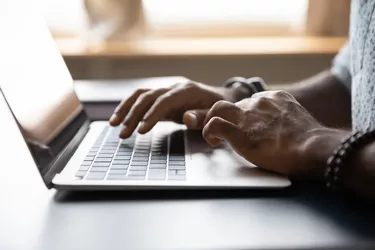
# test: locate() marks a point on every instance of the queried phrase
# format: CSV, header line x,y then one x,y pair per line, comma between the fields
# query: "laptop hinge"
x,y
63,158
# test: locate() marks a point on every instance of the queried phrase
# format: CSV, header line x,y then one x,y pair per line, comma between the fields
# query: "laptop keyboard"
x,y
140,157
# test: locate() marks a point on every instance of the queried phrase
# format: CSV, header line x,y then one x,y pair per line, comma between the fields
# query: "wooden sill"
x,y
71,47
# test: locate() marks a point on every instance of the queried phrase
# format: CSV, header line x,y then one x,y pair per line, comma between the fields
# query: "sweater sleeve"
x,y
341,66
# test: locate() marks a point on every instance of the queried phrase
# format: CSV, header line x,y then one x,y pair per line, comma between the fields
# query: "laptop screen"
x,y
36,83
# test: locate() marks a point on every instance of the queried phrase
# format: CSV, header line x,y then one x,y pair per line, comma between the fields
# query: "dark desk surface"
x,y
32,217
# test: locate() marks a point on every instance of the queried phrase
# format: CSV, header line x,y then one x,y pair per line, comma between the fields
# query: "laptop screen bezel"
x,y
54,167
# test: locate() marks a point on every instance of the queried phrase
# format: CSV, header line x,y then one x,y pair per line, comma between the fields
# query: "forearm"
x,y
358,177
325,98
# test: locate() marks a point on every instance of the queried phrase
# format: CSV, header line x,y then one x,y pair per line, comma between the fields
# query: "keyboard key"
x,y
176,163
156,177
139,163
181,172
159,153
101,164
124,153
159,150
95,176
140,159
109,148
117,177
158,166
121,162
134,177
138,147
89,158
157,171
86,163
99,169
158,157
178,167
122,157
105,155
172,172
176,154
123,167
156,174
138,168
111,143
177,177
117,172
84,168
80,174
158,161
137,154
176,158
100,159
106,151
137,173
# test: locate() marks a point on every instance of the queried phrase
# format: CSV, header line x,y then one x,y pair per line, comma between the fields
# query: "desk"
x,y
32,217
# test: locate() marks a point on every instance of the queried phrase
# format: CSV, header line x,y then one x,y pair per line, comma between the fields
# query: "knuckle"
x,y
163,99
140,91
280,93
263,101
126,121
191,84
144,96
215,122
221,105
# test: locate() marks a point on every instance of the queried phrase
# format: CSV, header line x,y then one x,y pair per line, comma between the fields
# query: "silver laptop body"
x,y
73,153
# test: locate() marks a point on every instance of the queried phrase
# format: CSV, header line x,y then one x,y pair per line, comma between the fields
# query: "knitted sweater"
x,y
354,65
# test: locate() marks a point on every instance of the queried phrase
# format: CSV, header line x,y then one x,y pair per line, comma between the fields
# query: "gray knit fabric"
x,y
354,65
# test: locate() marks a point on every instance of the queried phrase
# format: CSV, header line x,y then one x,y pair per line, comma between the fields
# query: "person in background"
x,y
319,129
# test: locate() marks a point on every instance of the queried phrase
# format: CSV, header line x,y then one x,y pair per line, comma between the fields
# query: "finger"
x,y
226,110
123,108
137,111
275,94
163,105
218,129
194,119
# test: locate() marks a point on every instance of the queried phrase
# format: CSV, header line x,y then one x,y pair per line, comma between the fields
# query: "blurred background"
x,y
282,41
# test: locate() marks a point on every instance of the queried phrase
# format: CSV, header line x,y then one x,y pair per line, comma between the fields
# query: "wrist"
x,y
318,147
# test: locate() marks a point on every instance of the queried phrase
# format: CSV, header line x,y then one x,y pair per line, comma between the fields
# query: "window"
x,y
193,17
225,17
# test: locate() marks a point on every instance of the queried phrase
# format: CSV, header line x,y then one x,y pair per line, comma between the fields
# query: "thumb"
x,y
194,119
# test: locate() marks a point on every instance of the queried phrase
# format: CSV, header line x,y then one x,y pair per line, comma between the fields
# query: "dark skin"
x,y
325,98
300,126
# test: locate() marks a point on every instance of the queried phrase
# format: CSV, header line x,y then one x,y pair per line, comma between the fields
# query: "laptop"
x,y
73,153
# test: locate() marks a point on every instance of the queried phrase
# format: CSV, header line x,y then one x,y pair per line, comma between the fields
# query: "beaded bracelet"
x,y
343,154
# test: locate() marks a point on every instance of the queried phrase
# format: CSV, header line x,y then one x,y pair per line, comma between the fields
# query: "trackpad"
x,y
223,164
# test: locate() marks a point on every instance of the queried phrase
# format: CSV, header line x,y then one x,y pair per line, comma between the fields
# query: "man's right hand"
x,y
187,103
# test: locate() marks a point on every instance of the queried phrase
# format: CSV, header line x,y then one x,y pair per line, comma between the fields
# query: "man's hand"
x,y
186,103
270,129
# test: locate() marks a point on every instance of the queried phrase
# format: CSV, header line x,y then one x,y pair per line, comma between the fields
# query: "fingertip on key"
x,y
113,120
143,128
190,120
125,133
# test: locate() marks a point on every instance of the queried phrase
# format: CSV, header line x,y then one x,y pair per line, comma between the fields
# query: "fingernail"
x,y
123,133
113,118
193,120
142,127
